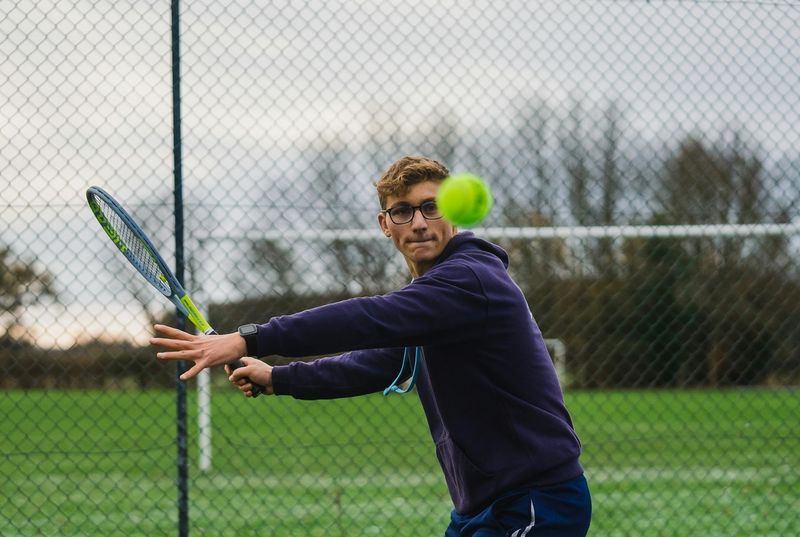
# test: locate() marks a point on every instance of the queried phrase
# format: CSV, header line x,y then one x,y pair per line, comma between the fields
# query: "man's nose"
x,y
418,221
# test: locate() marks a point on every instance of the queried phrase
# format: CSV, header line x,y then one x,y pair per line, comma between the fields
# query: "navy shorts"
x,y
561,510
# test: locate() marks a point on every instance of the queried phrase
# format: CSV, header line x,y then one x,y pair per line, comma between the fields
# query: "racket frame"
x,y
166,283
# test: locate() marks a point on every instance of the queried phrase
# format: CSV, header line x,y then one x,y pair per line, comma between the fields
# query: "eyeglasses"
x,y
403,214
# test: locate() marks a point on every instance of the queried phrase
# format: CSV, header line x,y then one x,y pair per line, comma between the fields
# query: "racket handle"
x,y
258,389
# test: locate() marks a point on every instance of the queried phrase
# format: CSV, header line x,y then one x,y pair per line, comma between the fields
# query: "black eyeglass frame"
x,y
414,209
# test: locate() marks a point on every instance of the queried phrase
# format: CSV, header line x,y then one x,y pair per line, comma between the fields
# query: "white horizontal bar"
x,y
675,231
493,233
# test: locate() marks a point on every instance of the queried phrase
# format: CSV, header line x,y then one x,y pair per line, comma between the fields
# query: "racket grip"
x,y
258,389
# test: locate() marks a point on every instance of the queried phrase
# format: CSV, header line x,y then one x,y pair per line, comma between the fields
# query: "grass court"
x,y
659,463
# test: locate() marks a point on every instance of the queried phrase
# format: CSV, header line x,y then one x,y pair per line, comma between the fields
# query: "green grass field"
x,y
710,463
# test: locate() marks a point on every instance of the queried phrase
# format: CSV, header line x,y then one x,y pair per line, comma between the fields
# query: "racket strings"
x,y
141,254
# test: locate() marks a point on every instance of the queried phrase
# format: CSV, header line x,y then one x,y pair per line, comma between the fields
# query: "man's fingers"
x,y
191,373
239,374
253,374
175,355
202,350
169,343
173,333
244,385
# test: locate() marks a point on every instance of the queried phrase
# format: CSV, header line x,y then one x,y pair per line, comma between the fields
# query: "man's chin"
x,y
419,247
421,254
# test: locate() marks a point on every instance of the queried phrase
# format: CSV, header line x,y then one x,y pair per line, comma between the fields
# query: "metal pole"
x,y
204,448
182,440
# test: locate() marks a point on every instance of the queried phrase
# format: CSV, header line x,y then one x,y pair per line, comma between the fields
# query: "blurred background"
x,y
645,166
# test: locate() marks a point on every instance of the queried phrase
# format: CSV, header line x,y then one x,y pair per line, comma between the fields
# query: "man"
x,y
490,393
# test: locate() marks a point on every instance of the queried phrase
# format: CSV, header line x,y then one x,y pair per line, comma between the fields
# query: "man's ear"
x,y
384,224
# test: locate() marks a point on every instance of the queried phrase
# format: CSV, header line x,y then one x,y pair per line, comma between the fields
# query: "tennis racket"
x,y
129,239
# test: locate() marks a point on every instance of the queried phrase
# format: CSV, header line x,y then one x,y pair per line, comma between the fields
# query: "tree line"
x,y
632,312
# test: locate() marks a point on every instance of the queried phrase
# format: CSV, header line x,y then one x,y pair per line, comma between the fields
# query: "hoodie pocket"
x,y
467,483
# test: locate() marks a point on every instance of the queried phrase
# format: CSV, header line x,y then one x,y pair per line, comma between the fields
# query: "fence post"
x,y
182,441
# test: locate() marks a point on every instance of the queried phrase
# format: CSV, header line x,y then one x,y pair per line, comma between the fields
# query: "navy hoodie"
x,y
487,384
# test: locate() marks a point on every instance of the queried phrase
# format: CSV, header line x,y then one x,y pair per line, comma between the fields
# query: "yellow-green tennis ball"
x,y
464,199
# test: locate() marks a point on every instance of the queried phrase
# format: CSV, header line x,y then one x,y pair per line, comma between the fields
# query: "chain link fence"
x,y
644,162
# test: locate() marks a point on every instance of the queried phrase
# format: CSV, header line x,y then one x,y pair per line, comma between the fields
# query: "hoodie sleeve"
x,y
347,375
446,304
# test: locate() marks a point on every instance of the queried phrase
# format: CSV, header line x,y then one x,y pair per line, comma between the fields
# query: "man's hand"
x,y
204,351
254,371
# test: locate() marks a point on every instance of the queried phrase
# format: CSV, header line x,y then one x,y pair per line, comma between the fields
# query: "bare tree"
x,y
22,284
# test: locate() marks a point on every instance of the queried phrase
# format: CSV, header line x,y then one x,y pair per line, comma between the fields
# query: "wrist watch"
x,y
250,334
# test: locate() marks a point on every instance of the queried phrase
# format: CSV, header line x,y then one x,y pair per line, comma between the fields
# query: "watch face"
x,y
248,329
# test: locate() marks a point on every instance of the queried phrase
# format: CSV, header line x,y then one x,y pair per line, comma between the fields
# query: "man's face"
x,y
421,240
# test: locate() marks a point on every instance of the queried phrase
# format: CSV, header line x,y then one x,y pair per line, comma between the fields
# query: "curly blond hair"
x,y
405,173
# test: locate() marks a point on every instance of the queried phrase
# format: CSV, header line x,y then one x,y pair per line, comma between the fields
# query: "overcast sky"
x,y
85,94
